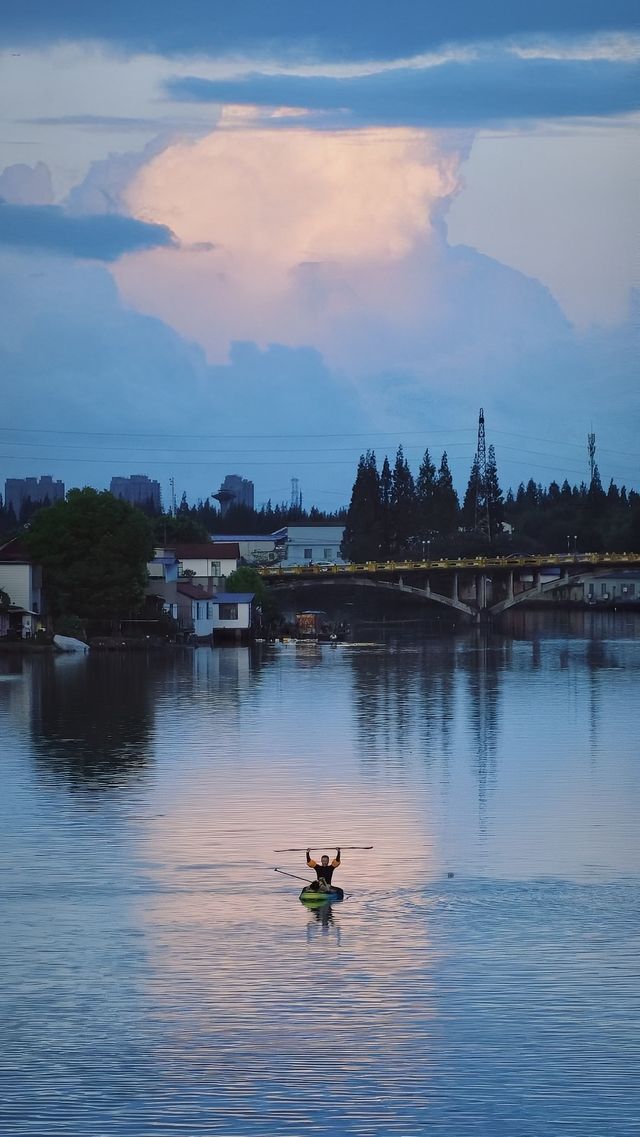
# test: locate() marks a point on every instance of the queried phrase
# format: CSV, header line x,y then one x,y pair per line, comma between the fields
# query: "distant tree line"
x,y
193,522
394,515
198,522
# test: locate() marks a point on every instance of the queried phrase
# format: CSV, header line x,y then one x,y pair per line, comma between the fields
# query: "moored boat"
x,y
69,643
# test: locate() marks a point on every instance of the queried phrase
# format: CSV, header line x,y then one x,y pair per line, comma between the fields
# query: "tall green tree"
x,y
403,505
494,496
446,504
425,497
94,550
471,496
386,519
362,536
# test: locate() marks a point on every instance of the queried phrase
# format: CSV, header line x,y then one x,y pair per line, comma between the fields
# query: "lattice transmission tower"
x,y
482,523
296,494
591,451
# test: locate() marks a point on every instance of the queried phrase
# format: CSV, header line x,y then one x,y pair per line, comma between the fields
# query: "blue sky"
x,y
260,238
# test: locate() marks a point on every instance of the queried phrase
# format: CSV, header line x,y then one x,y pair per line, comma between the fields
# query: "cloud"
x,y
358,30
333,240
26,185
101,237
495,87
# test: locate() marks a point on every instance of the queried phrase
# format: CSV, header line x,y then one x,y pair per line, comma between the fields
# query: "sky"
x,y
262,238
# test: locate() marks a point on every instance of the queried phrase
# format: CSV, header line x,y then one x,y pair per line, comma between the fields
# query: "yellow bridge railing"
x,y
573,560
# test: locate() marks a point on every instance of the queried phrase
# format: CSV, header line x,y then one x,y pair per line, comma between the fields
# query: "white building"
x,y
22,581
233,614
311,544
254,548
205,561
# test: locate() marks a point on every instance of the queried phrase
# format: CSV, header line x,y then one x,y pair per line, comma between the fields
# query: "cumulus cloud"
x,y
313,234
494,87
360,29
50,228
26,185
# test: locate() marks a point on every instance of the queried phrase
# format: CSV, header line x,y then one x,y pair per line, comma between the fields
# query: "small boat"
x,y
68,643
319,896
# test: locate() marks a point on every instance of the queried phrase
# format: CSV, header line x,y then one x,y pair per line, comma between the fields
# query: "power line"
x,y
372,434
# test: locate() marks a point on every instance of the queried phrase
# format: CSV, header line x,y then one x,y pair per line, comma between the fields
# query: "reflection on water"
x,y
480,975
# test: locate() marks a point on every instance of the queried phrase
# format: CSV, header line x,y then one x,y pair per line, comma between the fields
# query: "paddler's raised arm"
x,y
311,863
336,860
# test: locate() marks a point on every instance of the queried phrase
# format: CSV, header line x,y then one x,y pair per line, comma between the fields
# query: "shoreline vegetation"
x,y
94,548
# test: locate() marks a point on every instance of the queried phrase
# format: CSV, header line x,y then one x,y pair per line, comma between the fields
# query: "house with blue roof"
x,y
234,616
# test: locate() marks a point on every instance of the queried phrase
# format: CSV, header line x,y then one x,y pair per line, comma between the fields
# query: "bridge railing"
x,y
536,561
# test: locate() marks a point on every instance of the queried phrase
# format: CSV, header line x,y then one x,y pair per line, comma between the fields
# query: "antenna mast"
x,y
172,483
591,451
482,498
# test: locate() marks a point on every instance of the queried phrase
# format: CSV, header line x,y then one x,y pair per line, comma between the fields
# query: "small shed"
x,y
233,615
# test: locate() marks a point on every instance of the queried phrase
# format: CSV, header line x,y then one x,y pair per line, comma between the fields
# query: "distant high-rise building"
x,y
138,490
234,491
19,490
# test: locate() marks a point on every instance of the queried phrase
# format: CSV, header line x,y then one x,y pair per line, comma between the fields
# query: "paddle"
x,y
327,846
294,875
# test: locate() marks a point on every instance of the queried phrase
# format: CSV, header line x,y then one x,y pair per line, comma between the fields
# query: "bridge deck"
x,y
550,560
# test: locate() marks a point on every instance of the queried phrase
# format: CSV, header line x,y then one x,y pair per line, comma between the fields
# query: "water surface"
x,y
480,978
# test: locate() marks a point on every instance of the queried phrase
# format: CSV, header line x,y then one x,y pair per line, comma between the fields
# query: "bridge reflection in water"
x,y
478,587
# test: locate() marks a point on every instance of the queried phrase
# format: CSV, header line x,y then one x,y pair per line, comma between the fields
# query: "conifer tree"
x,y
470,497
362,534
403,505
386,525
495,500
446,504
425,497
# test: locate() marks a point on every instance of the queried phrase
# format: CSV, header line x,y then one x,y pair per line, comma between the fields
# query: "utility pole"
x,y
591,450
172,483
482,524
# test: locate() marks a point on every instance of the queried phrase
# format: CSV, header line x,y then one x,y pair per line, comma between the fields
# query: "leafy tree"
x,y
179,530
94,550
247,579
5,600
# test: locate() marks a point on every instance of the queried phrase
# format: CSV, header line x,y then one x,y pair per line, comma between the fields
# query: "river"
x,y
480,977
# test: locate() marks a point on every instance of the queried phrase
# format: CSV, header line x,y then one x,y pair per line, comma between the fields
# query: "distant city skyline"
x,y
269,239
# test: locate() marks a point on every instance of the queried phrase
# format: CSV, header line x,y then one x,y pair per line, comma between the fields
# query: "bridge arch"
x,y
425,594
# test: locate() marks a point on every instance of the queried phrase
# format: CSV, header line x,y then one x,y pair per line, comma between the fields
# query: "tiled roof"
x,y
195,591
15,551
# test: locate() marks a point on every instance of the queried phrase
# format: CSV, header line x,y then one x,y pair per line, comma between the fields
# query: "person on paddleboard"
x,y
324,870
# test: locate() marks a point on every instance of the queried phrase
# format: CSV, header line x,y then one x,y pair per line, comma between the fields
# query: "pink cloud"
x,y
309,234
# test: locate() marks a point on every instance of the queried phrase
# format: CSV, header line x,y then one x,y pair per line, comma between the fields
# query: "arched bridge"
x,y
478,587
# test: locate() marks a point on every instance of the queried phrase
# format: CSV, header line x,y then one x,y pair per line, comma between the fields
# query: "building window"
x,y
308,553
215,568
228,611
631,590
328,554
604,589
209,611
